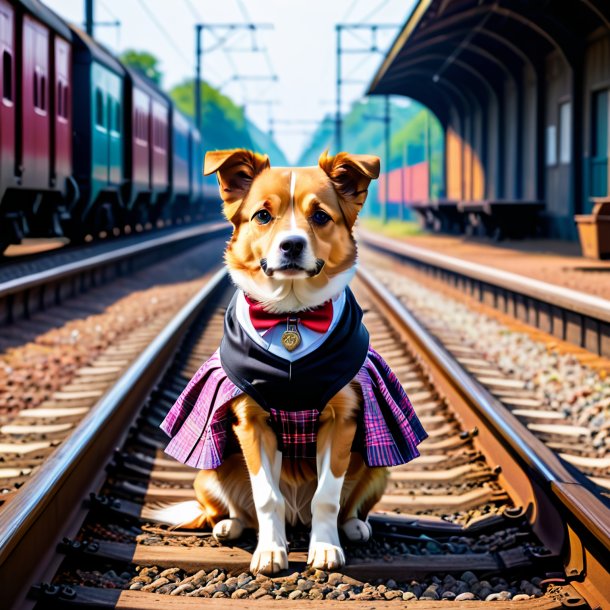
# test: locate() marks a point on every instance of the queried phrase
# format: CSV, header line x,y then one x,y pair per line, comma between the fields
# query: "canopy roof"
x,y
459,52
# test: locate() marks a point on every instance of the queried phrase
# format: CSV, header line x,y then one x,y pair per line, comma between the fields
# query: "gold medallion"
x,y
291,339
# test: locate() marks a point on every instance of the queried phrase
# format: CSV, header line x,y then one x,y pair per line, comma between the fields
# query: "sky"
x,y
300,50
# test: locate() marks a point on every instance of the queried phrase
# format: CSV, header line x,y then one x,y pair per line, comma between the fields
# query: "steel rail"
x,y
54,496
569,491
67,270
566,298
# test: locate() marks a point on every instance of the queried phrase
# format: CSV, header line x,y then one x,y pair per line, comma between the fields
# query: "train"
x,y
89,147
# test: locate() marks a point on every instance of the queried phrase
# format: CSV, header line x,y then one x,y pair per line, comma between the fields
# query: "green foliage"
x,y
143,62
224,124
363,133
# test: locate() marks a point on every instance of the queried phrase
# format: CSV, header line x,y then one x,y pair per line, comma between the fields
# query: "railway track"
x,y
569,315
485,513
561,394
56,365
43,282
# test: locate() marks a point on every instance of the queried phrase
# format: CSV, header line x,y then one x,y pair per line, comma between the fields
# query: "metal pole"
x,y
338,134
384,209
427,153
403,184
89,17
198,54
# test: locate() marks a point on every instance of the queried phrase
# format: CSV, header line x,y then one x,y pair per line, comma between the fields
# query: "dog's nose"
x,y
292,247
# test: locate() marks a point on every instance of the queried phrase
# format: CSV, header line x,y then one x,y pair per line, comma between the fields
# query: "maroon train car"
x,y
147,148
36,184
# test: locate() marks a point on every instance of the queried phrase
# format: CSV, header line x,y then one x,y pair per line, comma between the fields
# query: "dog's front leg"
x,y
335,437
264,462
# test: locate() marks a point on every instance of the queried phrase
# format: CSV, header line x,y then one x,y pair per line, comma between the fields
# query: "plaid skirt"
x,y
200,422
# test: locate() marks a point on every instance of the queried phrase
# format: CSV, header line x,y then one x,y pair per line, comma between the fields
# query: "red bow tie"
x,y
317,319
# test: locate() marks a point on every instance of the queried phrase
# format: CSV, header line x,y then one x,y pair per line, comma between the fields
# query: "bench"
x,y
439,215
594,229
495,218
501,218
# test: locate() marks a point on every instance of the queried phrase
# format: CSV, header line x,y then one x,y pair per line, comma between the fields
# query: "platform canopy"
x,y
459,52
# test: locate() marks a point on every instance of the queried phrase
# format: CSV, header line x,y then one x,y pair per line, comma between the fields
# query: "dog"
x,y
295,419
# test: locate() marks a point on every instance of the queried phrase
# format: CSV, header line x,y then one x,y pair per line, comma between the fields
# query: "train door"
x,y
140,157
7,96
35,97
598,183
115,128
159,117
99,138
62,119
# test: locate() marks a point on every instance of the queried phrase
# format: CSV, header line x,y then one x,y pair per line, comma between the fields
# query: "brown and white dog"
x,y
292,249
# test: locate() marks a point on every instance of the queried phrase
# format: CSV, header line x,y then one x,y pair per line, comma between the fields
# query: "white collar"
x,y
271,339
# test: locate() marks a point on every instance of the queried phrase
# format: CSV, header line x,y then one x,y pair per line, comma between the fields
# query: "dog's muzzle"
x,y
269,271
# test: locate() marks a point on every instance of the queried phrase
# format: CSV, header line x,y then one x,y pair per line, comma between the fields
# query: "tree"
x,y
145,63
224,123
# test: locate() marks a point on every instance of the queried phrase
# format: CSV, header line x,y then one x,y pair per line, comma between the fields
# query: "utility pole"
x,y
338,119
387,132
89,17
386,119
198,58
226,30
91,24
403,182
427,153
371,47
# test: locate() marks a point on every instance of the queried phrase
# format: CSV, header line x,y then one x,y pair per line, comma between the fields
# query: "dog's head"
x,y
292,246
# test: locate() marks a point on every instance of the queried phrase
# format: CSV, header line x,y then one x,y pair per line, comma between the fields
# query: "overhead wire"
x,y
350,10
110,13
163,32
117,24
374,11
248,19
193,10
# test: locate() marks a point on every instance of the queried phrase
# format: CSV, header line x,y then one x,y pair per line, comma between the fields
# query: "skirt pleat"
x,y
199,423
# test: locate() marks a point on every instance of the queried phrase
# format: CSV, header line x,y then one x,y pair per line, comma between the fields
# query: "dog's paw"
x,y
269,560
228,529
325,556
356,530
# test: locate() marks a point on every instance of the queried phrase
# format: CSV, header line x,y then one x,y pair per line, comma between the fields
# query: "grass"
x,y
392,228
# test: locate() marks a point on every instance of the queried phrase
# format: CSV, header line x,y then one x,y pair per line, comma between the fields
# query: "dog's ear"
x,y
235,170
351,176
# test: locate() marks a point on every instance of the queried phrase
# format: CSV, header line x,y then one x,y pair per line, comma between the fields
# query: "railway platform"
x,y
557,262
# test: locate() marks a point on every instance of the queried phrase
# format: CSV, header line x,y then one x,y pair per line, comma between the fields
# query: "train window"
x,y
60,99
99,108
141,126
117,117
35,91
7,76
109,117
565,133
43,93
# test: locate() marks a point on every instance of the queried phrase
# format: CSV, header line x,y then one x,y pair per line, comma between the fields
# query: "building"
x,y
521,89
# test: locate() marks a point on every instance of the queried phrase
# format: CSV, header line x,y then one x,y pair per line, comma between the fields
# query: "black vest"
x,y
307,383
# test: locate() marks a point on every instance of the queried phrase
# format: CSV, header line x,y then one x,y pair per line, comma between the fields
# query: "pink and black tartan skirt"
x,y
200,422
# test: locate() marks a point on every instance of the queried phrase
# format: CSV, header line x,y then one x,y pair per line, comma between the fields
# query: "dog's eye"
x,y
320,217
262,217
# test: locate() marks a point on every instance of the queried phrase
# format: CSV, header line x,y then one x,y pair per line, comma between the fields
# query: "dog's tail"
x,y
187,515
